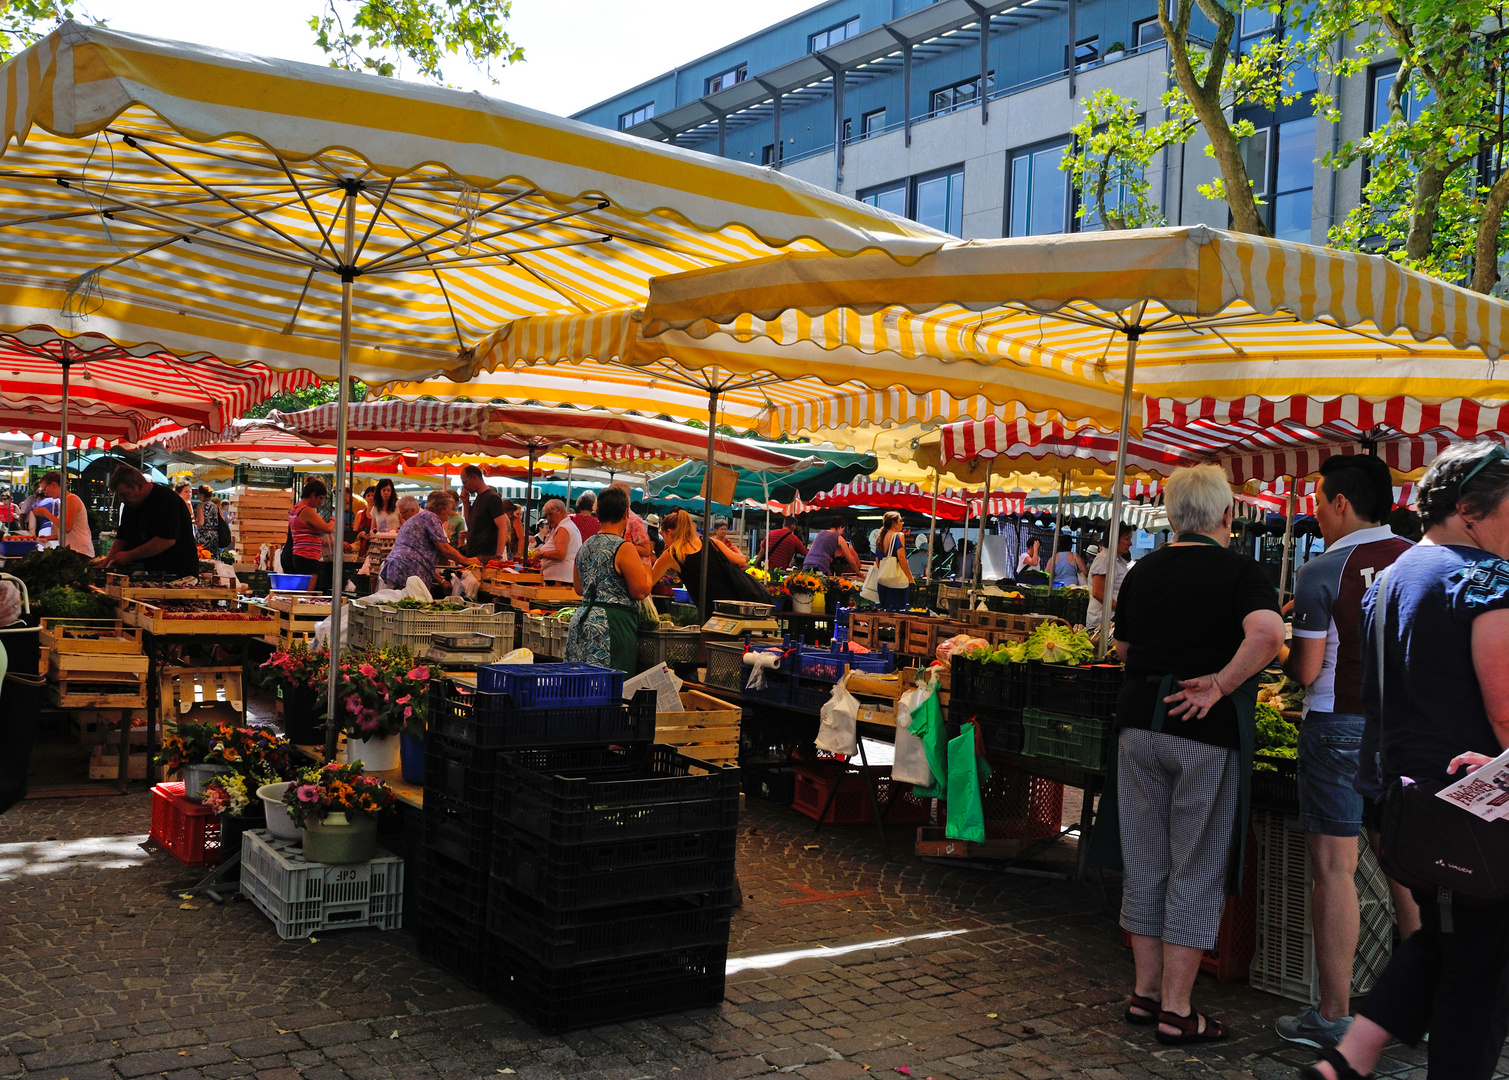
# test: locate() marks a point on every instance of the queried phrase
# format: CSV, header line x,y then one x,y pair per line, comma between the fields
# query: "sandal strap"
x,y
1344,1071
1190,1025
1146,1004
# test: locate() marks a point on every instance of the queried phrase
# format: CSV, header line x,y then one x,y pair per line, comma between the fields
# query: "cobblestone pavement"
x,y
104,976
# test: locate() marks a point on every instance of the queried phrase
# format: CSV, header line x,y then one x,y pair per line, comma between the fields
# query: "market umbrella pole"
x,y
980,536
1058,524
570,460
339,555
1114,540
528,499
932,529
707,499
1283,571
63,439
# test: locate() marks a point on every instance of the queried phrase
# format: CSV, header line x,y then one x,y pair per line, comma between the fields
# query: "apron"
x,y
1105,841
623,629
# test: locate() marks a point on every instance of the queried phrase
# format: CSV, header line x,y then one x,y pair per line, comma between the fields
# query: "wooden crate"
x,y
89,636
105,765
159,620
120,587
921,637
550,593
707,729
202,693
95,726
861,627
887,628
94,664
81,691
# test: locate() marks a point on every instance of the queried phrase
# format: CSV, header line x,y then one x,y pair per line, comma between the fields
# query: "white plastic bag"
x,y
868,590
910,766
838,730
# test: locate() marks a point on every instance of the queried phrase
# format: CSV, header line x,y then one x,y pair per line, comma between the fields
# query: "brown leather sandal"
x,y
1189,1029
1150,1010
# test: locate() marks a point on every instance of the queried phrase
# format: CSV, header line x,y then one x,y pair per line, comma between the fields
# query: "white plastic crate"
x,y
1284,961
303,898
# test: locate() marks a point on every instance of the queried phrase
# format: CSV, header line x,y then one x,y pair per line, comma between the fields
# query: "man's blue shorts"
x,y
1329,746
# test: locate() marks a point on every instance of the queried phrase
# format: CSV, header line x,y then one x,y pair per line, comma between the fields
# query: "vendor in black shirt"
x,y
1195,623
156,531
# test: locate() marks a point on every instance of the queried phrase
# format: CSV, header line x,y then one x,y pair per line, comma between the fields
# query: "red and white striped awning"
x,y
93,430
441,428
1462,417
953,504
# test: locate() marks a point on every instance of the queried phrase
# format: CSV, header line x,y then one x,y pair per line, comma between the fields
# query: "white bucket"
x,y
278,821
376,755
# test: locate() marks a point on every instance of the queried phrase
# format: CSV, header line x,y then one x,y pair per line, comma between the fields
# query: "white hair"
x,y
557,503
408,506
1197,499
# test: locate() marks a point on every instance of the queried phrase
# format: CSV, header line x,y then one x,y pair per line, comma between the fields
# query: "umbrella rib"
x,y
485,260
92,211
550,283
244,212
377,211
325,239
443,227
298,304
530,224
203,150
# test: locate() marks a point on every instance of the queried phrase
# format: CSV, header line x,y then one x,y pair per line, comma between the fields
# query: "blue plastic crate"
x,y
829,663
536,686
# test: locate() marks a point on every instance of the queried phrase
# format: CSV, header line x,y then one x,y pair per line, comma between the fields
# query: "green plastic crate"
x,y
1079,740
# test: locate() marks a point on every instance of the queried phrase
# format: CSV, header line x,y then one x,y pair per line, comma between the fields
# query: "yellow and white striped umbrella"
x,y
204,201
791,375
1227,326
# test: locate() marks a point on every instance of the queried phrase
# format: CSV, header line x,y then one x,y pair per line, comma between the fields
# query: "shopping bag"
x,y
910,766
966,815
868,590
892,576
838,729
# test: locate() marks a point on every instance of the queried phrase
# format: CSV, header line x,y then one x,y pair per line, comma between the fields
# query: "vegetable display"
x,y
1052,643
44,570
1276,737
67,602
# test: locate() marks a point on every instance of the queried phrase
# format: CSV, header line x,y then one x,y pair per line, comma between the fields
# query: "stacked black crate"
x,y
612,884
993,696
467,731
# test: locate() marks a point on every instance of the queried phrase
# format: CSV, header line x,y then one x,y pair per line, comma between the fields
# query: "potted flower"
x,y
844,592
233,797
1114,52
805,589
336,808
379,693
184,750
301,674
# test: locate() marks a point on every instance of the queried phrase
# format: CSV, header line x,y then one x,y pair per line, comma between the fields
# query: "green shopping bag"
x,y
966,815
927,725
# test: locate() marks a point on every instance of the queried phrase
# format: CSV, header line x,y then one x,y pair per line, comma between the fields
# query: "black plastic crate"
x,y
773,783
452,891
1090,690
459,772
558,998
1073,606
572,796
262,476
463,834
490,722
570,877
1001,728
1275,783
455,947
976,682
562,938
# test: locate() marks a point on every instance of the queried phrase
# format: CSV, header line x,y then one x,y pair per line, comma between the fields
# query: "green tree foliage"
x,y
1113,148
324,393
1436,191
380,36
376,36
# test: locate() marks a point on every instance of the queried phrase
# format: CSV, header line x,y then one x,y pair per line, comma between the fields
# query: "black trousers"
x,y
1456,986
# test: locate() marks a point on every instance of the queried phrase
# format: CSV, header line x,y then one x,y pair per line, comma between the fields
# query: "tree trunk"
x,y
1424,211
1485,253
1205,99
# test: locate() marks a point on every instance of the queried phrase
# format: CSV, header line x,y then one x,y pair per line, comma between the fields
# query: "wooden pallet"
x,y
182,690
707,730
158,620
94,726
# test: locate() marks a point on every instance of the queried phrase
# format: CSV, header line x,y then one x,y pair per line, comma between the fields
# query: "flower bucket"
x,y
376,755
340,838
301,723
819,603
278,821
196,776
801,603
411,754
233,826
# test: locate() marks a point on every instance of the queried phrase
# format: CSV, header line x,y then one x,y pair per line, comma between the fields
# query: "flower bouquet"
x,y
301,674
805,583
227,793
381,693
185,743
336,809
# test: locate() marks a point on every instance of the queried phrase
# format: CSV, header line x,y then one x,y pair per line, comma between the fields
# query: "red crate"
x,y
189,830
851,806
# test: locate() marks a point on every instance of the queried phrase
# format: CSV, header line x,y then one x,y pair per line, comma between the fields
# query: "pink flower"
x,y
420,673
407,712
368,670
368,724
353,704
404,700
308,792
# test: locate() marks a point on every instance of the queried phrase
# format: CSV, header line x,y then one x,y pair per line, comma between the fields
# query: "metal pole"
x,y
1116,493
338,569
932,529
707,500
570,460
980,536
528,498
63,510
765,484
1058,523
1283,571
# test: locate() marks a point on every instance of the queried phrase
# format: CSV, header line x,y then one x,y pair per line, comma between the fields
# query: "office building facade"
x,y
957,113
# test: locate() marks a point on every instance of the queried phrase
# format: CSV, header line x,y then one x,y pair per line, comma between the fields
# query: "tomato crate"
x,y
491,721
1079,740
570,877
564,938
814,783
1001,728
572,796
538,686
1076,690
303,897
978,682
190,831
557,998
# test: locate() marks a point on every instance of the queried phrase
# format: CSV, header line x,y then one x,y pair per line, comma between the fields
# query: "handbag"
x,y
1431,845
223,532
868,590
892,576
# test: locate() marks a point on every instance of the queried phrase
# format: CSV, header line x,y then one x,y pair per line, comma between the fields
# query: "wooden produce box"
x,y
106,765
157,619
498,576
97,726
94,664
545,593
201,694
296,617
120,587
921,635
707,729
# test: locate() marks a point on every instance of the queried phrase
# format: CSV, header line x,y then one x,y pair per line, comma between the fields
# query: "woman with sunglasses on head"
x,y
1440,704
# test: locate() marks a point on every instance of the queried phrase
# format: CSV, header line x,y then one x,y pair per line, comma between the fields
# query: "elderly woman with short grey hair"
x,y
420,542
1195,623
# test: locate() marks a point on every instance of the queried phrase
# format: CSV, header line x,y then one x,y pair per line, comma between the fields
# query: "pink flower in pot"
x,y
420,673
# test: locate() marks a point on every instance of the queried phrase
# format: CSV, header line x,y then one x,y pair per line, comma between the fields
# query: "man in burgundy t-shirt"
x,y
1356,494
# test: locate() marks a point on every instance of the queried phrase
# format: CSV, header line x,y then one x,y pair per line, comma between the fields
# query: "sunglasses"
x,y
1497,453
